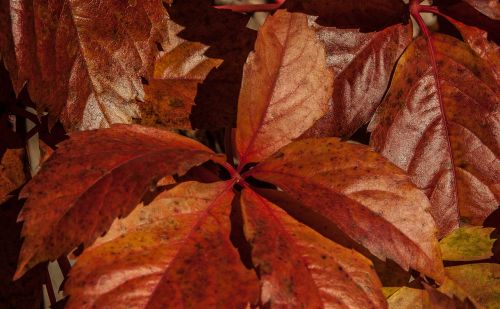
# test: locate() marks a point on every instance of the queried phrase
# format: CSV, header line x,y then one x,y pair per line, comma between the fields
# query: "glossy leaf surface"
x,y
286,87
442,131
362,63
368,198
300,268
173,253
93,178
83,60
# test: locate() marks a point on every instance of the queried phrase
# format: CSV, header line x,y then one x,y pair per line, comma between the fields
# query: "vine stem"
x,y
415,9
251,8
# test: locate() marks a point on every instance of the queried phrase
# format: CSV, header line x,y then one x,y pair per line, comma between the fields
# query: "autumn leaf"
x,y
421,298
83,60
173,253
479,283
92,178
469,243
170,94
490,8
12,174
285,89
300,268
442,131
368,198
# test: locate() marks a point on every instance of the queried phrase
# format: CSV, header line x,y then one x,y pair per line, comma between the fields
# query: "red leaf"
x,y
92,178
368,198
363,64
174,253
12,174
444,132
83,60
490,8
285,89
300,268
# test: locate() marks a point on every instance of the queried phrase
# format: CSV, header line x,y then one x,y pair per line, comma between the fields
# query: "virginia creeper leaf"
x,y
83,60
285,89
480,283
173,253
423,298
362,63
91,179
170,94
442,131
469,243
228,38
490,8
300,268
12,174
368,198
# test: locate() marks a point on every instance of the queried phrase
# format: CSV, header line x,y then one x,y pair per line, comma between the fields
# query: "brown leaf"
x,y
83,60
300,268
92,178
363,64
173,253
480,283
490,8
444,132
12,174
368,198
424,298
285,88
469,243
171,93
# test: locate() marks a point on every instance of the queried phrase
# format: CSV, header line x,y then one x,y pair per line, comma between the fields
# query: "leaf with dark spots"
x,y
442,131
286,87
92,178
179,69
300,268
362,64
83,60
173,253
228,39
368,198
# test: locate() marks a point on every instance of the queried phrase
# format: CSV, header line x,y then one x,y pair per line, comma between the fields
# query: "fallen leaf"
x,y
442,131
490,8
368,198
92,178
300,268
173,253
286,87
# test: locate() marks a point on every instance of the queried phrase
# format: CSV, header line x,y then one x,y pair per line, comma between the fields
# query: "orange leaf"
x,y
300,268
443,132
92,178
286,87
12,174
173,253
368,198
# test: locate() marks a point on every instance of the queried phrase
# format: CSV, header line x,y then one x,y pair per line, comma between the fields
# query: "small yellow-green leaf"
x,y
469,243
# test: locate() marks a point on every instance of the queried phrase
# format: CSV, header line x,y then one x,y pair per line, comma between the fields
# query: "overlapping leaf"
x,y
368,198
95,177
470,243
83,60
423,298
170,94
442,131
300,268
490,8
285,89
12,174
173,253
